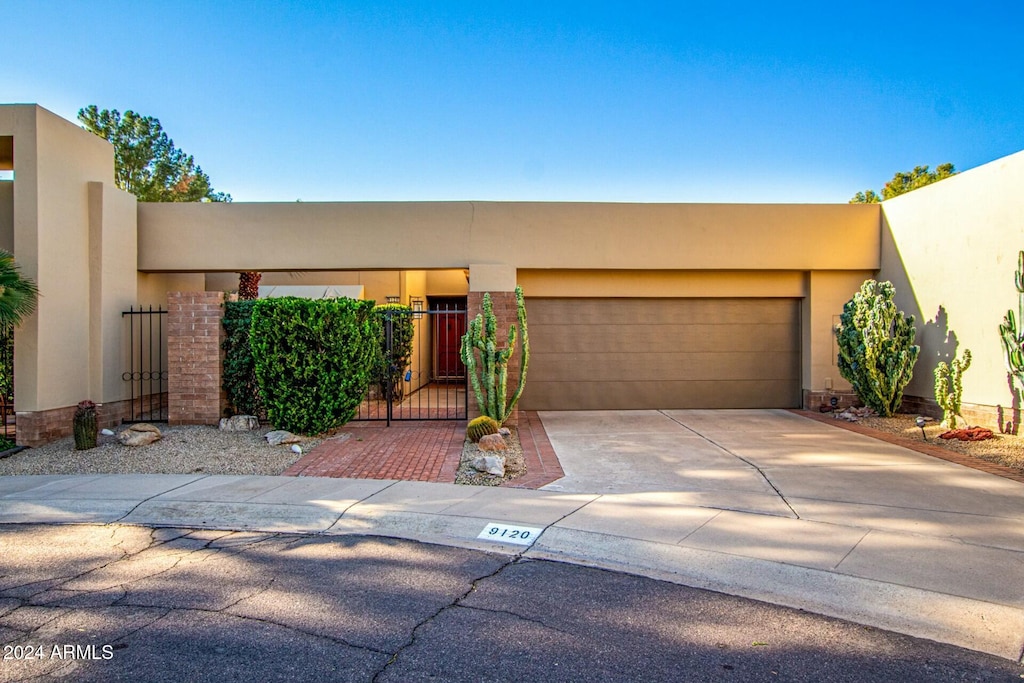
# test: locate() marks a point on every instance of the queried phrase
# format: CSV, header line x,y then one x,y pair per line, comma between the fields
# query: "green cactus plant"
x,y
876,347
487,365
85,427
481,426
949,388
1010,335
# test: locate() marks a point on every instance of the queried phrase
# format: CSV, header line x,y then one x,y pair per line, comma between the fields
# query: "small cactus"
x,y
84,424
481,426
949,388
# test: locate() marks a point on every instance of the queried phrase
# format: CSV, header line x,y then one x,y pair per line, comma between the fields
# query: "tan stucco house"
x,y
630,305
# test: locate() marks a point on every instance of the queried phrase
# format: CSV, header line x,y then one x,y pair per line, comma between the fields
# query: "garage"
x,y
648,353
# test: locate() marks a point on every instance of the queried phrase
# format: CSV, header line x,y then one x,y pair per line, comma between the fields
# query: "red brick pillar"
x,y
504,304
195,358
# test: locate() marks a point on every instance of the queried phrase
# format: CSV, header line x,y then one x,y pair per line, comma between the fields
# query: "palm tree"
x,y
249,285
18,294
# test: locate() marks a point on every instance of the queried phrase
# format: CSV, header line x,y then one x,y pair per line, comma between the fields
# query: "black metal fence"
x,y
429,384
146,361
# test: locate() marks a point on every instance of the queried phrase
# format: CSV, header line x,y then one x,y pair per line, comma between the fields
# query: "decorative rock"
x,y
107,432
492,442
239,423
505,431
490,464
855,414
141,434
280,436
296,448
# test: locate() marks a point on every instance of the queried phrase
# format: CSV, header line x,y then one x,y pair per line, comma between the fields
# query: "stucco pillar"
x,y
194,358
500,282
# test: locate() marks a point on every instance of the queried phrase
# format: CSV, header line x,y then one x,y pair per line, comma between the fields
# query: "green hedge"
x,y
314,359
239,378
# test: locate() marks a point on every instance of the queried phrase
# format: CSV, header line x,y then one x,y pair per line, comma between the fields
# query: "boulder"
x,y
489,464
505,431
141,434
280,436
239,423
492,442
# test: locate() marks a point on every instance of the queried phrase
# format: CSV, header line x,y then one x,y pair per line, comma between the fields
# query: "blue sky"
x,y
702,102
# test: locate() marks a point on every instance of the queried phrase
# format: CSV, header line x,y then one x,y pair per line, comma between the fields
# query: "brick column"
x,y
504,304
195,358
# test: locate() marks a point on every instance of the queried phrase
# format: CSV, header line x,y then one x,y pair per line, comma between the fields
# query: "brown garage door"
x,y
590,354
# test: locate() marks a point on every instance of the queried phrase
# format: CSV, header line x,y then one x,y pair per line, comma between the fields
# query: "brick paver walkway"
x,y
420,451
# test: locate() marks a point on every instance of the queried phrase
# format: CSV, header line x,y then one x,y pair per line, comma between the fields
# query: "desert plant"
x,y
481,426
1010,335
949,388
487,365
396,320
876,347
249,285
314,360
85,427
239,374
18,294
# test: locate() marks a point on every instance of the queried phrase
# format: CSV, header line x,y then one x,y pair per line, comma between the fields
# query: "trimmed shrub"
x,y
402,332
876,347
314,360
239,379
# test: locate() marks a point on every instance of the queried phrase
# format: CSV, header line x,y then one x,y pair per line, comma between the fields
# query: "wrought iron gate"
x,y
430,382
146,360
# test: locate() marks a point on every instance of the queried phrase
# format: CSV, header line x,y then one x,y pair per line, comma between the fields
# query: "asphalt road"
x,y
122,603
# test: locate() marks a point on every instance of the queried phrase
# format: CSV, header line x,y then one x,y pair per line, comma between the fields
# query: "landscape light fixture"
x,y
920,423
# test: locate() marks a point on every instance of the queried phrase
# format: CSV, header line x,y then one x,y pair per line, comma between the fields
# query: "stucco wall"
x,y
113,287
428,235
951,250
54,162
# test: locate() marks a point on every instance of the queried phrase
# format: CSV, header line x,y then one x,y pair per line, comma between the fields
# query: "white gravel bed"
x,y
182,450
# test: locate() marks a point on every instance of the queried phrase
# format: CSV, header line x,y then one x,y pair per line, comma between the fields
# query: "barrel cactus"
x,y
85,427
876,347
481,426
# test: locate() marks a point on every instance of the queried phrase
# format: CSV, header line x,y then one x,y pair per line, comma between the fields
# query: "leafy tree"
x,y
146,162
904,182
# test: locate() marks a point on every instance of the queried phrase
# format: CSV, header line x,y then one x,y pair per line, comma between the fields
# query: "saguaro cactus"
x,y
949,388
85,427
1012,336
487,364
876,347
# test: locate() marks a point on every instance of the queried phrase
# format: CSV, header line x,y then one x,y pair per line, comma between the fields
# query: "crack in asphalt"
x,y
474,584
738,457
61,608
521,617
414,633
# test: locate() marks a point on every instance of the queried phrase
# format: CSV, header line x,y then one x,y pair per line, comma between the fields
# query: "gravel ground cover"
x,y
515,464
1003,449
182,450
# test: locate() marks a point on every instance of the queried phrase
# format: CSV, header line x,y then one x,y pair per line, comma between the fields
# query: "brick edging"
x,y
918,446
542,466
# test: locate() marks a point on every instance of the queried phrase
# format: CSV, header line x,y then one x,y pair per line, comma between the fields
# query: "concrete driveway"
x,y
778,463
